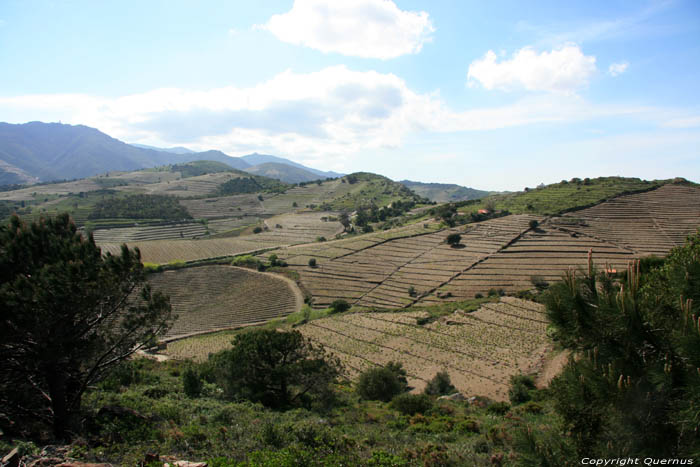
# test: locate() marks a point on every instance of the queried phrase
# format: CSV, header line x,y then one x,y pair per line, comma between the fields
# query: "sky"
x,y
494,95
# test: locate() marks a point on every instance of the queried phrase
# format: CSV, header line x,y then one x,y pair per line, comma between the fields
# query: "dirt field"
x,y
480,350
208,298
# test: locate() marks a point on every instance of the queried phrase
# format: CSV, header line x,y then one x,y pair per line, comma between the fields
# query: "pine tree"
x,y
68,315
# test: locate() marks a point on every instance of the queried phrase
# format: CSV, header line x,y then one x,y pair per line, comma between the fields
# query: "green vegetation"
x,y
371,192
382,383
196,168
251,184
440,385
563,196
140,207
632,386
278,369
66,320
453,239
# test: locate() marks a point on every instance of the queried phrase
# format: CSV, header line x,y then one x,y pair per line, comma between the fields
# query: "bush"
x,y
339,306
440,385
247,261
274,260
257,229
454,239
312,262
411,404
382,383
468,426
498,408
533,223
518,394
192,383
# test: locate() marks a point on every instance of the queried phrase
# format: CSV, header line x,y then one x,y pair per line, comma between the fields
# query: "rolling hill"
x,y
54,151
444,192
257,159
283,172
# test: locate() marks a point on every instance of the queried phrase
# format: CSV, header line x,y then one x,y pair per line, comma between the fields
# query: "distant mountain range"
x,y
444,192
39,152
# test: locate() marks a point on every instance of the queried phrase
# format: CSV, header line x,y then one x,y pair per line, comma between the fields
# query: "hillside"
x,y
444,192
567,195
257,159
283,172
54,151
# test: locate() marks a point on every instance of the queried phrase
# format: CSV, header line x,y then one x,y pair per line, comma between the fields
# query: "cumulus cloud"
x,y
616,69
360,28
330,114
563,70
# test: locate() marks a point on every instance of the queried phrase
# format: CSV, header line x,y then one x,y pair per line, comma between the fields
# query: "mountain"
x,y
39,151
174,150
257,159
444,192
283,172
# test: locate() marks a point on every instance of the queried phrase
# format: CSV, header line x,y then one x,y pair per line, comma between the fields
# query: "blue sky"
x,y
494,95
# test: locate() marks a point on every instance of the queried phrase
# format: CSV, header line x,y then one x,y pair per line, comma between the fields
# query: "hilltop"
x,y
444,192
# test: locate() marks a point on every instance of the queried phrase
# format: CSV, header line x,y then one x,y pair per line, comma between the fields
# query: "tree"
x,y
453,239
339,306
632,387
382,383
278,369
68,315
440,385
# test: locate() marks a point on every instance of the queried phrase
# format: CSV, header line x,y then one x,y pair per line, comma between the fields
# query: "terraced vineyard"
x,y
208,298
150,232
380,274
164,251
616,231
646,223
224,206
480,350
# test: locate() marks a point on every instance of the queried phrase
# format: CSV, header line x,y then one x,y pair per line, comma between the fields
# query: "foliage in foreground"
x,y
632,386
68,317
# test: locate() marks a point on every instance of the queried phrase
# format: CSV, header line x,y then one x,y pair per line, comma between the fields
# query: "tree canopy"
x,y
68,314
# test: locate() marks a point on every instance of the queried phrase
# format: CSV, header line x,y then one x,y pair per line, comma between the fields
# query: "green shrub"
x,y
533,223
453,239
411,404
312,262
499,408
246,261
339,306
519,389
257,230
382,383
530,407
440,385
192,383
468,426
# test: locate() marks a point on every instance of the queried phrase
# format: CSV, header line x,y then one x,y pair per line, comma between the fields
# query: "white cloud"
x,y
616,69
330,115
562,70
683,122
360,28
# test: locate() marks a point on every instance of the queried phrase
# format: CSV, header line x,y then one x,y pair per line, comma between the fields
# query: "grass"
x,y
563,196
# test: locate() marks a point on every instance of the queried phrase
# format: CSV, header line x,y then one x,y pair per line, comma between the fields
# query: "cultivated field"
x,y
150,232
646,223
380,273
165,251
480,350
208,298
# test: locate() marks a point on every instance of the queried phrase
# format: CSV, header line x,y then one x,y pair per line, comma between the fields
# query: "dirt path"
x,y
551,367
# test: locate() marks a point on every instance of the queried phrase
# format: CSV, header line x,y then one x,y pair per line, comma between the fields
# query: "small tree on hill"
x,y
68,315
440,385
278,369
453,239
382,383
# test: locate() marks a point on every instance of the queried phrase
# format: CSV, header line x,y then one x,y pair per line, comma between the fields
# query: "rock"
x,y
12,458
457,396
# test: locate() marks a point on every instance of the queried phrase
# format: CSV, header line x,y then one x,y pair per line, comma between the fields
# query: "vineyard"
x,y
386,272
150,232
480,350
165,251
208,298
